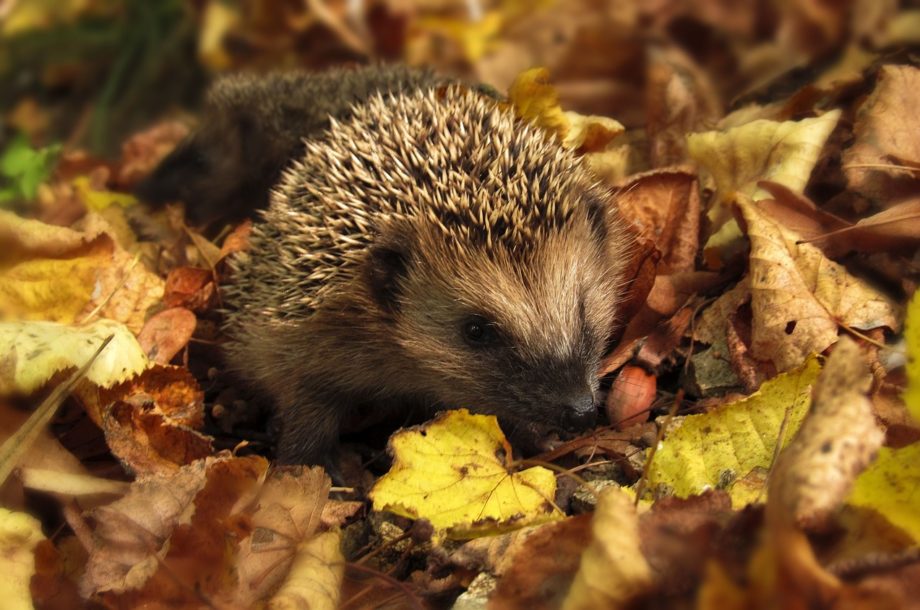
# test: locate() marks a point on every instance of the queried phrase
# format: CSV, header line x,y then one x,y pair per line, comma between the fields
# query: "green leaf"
x,y
25,168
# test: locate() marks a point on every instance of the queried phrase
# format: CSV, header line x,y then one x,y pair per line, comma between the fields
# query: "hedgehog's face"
x,y
515,333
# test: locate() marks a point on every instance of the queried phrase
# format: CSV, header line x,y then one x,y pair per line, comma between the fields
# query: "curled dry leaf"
x,y
835,443
539,570
886,138
141,153
191,288
35,351
613,571
664,206
455,471
315,578
149,420
166,333
799,297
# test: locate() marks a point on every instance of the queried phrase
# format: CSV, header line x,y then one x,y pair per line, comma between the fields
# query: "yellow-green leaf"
x,y
455,472
912,338
19,533
32,352
715,449
889,486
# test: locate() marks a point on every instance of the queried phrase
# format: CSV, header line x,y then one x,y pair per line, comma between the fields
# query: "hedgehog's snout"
x,y
579,412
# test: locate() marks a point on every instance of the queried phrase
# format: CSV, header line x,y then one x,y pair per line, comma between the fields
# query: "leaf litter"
x,y
762,398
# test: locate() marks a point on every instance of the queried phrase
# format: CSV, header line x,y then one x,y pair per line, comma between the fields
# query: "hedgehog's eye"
x,y
477,331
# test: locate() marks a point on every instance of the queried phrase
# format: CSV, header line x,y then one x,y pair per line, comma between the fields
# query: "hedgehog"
x,y
253,126
430,251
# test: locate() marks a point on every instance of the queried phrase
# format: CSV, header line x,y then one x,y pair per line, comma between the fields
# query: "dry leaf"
x,y
166,333
886,136
149,420
315,578
19,534
613,571
799,297
33,352
835,442
664,206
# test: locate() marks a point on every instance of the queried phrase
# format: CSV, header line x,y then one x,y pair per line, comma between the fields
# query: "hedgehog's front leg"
x,y
310,422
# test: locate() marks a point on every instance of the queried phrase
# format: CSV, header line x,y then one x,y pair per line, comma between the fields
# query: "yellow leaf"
x,y
455,472
535,99
315,578
738,158
218,20
98,200
34,351
61,275
19,533
613,570
715,449
889,486
783,152
912,338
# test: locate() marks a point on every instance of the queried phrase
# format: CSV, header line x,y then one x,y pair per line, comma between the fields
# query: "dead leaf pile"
x,y
762,387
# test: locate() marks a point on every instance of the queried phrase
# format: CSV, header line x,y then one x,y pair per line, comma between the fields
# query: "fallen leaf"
x,y
782,152
534,99
613,571
166,333
630,397
190,288
715,449
315,578
61,275
912,339
539,571
456,472
835,442
664,205
885,129
149,421
19,535
799,297
143,151
889,486
35,351
286,513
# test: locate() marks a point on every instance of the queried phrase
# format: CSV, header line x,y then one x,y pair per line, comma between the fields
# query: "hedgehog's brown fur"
x,y
422,210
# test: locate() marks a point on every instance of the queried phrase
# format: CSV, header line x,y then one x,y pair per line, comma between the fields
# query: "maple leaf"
x,y
455,472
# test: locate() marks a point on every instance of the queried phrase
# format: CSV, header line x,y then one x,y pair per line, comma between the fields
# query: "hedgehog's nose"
x,y
580,413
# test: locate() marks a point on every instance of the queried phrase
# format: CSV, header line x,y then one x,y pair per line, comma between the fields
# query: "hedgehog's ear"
x,y
386,266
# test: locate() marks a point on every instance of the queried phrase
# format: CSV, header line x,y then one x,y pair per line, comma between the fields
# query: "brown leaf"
x,y
799,297
166,333
800,215
541,568
664,206
898,227
143,151
630,397
835,443
680,99
287,511
237,240
191,288
886,128
148,421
